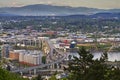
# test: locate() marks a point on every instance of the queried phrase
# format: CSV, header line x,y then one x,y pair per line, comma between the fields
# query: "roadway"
x,y
48,64
40,66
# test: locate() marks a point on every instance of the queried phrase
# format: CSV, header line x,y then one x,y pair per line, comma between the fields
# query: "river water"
x,y
112,56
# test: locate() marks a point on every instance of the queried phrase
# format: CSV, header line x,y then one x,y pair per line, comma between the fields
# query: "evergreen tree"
x,y
85,67
53,77
6,75
39,77
44,59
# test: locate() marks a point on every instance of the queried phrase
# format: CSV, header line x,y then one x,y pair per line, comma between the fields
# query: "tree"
x,y
44,59
114,74
85,67
38,77
69,57
8,67
6,75
53,77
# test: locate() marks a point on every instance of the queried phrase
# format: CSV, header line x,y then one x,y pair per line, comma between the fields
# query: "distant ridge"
x,y
50,10
7,14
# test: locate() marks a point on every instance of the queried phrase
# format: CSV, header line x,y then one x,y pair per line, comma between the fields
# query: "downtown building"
x,y
30,58
5,51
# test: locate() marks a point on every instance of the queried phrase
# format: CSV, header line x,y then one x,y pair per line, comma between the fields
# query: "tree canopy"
x,y
6,75
85,67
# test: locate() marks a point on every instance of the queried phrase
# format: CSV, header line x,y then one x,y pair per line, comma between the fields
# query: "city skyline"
x,y
101,4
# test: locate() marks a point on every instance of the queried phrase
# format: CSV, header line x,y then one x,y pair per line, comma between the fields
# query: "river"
x,y
112,56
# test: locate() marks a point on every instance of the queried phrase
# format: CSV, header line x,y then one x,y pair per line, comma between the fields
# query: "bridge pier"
x,y
30,72
35,71
53,66
48,67
58,66
21,73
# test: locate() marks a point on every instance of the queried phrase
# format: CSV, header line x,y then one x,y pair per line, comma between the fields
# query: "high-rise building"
x,y
32,58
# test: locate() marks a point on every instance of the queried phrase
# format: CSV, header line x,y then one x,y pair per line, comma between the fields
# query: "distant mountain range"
x,y
50,10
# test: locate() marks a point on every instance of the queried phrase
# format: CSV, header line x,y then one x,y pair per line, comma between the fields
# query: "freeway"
x,y
50,56
58,70
40,66
48,64
51,49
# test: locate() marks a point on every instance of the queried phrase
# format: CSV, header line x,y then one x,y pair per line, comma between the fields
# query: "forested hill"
x,y
51,10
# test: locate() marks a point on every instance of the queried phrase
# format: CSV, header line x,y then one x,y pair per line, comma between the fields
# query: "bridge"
x,y
50,56
40,66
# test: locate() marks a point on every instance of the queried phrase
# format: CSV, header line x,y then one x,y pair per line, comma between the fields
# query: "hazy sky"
x,y
104,4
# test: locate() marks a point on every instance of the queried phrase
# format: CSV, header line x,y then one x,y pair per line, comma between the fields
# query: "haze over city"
x,y
101,4
59,40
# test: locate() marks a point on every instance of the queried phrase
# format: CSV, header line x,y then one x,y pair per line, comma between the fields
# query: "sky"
x,y
101,4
